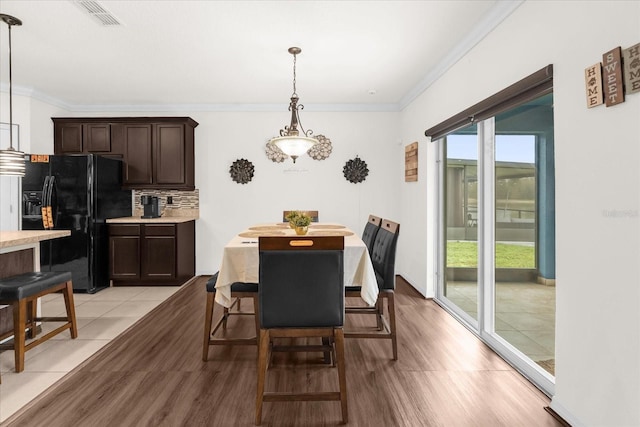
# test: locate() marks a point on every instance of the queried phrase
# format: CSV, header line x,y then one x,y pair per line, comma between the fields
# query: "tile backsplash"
x,y
182,200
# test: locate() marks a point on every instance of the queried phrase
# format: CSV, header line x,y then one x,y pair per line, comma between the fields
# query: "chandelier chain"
x,y
294,76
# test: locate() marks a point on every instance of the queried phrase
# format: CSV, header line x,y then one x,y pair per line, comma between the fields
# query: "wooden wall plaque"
x,y
593,84
632,69
612,77
411,162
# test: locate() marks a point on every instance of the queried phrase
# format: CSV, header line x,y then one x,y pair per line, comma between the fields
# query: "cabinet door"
x,y
97,138
68,138
159,257
124,257
169,154
137,154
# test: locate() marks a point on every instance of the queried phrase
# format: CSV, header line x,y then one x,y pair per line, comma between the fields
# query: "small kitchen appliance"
x,y
150,207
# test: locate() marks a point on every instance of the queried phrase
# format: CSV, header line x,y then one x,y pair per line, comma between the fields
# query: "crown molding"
x,y
490,21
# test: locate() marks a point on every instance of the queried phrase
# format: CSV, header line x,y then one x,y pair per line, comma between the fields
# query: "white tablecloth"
x,y
240,262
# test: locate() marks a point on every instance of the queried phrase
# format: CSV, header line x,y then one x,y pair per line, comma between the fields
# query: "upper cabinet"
x,y
76,138
158,151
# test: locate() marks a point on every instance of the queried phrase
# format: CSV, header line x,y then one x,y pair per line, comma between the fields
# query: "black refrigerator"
x,y
81,192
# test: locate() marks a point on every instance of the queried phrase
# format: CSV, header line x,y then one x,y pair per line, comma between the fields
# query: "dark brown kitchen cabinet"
x,y
124,251
169,155
138,168
78,138
158,151
163,254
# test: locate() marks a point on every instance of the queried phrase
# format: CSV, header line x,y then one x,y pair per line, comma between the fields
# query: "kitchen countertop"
x,y
9,239
160,220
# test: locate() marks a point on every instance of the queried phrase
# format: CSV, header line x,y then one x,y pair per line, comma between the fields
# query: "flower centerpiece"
x,y
301,223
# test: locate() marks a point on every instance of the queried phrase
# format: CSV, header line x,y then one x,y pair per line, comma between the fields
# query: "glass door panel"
x,y
525,230
460,282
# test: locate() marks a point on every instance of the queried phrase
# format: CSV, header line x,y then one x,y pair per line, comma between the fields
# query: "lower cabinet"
x,y
151,253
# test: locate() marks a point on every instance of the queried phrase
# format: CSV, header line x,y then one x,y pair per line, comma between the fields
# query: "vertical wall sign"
x,y
411,162
593,83
632,69
612,77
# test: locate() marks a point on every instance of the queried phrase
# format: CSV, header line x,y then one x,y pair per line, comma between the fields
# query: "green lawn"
x,y
465,254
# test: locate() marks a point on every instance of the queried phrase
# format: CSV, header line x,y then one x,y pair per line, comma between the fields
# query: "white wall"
x,y
597,194
227,207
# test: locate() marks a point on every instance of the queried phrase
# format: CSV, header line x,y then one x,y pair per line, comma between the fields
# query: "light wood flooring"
x,y
153,375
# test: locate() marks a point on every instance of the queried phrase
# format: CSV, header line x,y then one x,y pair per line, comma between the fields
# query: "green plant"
x,y
292,215
302,220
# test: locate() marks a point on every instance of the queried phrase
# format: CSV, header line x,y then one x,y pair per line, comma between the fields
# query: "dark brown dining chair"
x,y
370,231
301,295
239,290
383,256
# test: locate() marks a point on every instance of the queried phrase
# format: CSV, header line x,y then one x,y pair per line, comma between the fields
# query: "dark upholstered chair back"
x,y
301,281
370,231
383,255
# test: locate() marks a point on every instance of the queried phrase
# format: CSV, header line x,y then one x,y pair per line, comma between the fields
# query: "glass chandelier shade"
x,y
12,161
291,141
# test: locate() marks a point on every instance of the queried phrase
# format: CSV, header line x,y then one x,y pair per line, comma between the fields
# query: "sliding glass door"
x,y
497,233
460,281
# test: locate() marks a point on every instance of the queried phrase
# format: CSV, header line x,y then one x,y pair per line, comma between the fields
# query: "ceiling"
x,y
226,55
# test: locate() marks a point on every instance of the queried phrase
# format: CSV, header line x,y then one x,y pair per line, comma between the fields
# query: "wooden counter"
x,y
10,239
160,220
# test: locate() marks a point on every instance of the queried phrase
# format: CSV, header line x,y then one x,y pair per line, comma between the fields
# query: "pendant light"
x,y
11,160
291,141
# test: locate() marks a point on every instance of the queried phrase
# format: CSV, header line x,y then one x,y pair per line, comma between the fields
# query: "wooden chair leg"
x,y
32,308
379,313
71,309
342,378
208,318
392,323
263,352
256,308
19,323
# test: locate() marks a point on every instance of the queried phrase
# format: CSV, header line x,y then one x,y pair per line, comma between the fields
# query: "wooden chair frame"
x,y
209,330
385,329
332,337
25,318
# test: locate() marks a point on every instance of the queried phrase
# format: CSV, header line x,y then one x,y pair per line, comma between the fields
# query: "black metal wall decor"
x,y
355,170
322,149
241,171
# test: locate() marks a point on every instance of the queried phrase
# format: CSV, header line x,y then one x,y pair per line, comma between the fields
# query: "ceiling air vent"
x,y
95,9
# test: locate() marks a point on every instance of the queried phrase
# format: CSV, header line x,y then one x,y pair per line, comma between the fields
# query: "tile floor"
x,y
525,314
101,317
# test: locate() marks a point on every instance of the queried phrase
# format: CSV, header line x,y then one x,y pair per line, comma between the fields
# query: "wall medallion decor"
x,y
241,171
322,149
274,153
355,170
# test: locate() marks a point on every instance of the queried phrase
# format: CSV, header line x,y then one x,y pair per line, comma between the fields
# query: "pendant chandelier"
x,y
11,160
294,142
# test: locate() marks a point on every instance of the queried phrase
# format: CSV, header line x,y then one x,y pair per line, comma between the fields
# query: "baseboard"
x,y
546,282
563,413
399,276
555,415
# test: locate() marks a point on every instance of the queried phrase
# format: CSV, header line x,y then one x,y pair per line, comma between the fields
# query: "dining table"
x,y
241,258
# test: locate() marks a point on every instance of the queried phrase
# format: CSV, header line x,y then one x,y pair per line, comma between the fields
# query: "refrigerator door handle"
x,y
43,207
51,192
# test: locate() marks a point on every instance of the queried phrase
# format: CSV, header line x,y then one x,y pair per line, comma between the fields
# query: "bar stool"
x,y
22,292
